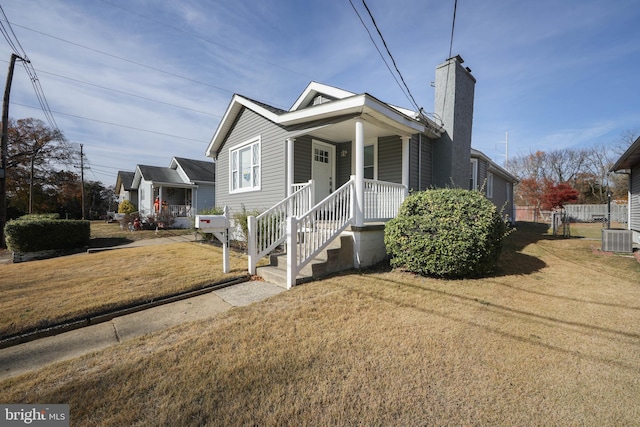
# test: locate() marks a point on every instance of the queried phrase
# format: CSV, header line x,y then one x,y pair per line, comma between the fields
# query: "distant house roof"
x,y
124,179
629,159
196,170
158,175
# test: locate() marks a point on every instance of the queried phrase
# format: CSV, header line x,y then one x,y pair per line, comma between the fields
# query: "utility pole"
x,y
4,149
506,154
82,177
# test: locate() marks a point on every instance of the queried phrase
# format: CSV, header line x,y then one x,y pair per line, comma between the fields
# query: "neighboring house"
x,y
358,155
629,163
184,188
496,182
124,187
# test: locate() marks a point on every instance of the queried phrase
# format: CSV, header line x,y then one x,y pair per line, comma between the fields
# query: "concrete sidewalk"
x,y
37,354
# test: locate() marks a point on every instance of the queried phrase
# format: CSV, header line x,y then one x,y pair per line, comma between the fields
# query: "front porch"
x,y
306,229
172,207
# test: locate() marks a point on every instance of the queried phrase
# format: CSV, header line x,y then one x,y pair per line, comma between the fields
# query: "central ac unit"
x,y
617,240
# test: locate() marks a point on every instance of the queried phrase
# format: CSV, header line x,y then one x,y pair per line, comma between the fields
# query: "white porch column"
x,y
290,180
405,163
359,173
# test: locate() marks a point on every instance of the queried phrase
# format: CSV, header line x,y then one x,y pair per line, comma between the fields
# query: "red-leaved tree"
x,y
557,195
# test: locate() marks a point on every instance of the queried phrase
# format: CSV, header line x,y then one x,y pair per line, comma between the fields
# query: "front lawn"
x,y
551,339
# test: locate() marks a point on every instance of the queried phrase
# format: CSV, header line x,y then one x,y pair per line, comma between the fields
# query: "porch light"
x,y
344,153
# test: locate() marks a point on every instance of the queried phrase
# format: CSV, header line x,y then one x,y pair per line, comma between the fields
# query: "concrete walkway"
x,y
37,354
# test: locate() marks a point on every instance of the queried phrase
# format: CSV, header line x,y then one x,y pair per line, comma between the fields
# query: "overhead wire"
x,y
375,25
204,39
119,125
378,49
18,50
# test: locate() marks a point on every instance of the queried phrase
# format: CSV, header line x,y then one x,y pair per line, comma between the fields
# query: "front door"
x,y
323,168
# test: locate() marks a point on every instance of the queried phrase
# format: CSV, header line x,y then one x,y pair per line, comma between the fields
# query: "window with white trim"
x,y
473,176
489,185
244,168
369,162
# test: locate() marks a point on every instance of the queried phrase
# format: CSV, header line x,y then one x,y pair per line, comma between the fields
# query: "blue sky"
x,y
141,81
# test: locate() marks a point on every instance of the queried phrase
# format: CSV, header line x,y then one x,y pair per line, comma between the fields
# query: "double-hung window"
x,y
489,185
244,173
473,175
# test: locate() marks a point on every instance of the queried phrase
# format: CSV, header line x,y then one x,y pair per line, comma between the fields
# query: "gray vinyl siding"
x,y
499,198
343,165
272,164
426,162
634,220
390,159
302,159
414,164
205,197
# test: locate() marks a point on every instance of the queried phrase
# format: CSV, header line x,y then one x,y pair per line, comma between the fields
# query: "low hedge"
x,y
26,235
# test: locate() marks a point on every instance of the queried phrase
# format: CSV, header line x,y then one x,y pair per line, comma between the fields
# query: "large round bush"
x,y
451,233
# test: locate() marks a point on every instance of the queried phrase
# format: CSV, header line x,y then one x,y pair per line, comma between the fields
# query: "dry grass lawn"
x,y
551,339
37,294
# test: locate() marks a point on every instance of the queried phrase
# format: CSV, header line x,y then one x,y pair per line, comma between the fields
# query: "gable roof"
x,y
342,104
124,179
196,170
157,174
629,159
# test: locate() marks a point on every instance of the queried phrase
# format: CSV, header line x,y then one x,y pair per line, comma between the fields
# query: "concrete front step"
x,y
338,256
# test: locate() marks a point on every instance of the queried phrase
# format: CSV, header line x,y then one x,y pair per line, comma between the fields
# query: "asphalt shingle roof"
x,y
198,170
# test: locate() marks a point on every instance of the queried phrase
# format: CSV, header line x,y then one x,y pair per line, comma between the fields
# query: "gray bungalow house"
x,y
629,163
180,191
495,181
338,164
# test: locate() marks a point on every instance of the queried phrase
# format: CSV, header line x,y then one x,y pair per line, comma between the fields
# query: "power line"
x,y
125,59
116,124
127,93
200,37
390,55
17,48
378,49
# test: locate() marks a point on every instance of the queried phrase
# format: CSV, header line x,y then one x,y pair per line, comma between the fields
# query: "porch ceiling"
x,y
344,131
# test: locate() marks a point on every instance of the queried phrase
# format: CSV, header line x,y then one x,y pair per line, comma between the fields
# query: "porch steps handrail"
x,y
311,233
269,229
382,199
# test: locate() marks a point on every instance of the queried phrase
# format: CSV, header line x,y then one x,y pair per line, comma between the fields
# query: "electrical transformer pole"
x,y
82,177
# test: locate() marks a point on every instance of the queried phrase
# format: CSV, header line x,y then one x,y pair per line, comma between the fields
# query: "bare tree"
x,y
35,151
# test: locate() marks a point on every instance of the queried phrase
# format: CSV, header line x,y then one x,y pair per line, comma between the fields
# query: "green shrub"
x,y
242,220
451,233
46,234
34,217
212,211
126,207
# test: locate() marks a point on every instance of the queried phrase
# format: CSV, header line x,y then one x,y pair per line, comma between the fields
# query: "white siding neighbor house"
x,y
177,192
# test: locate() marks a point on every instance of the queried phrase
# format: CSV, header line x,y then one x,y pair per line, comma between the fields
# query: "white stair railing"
x,y
309,234
268,230
382,199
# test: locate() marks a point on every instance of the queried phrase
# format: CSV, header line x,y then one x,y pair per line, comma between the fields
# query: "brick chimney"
x,y
454,90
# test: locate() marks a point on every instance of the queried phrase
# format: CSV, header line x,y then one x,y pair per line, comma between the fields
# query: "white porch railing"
x,y
310,233
269,229
382,199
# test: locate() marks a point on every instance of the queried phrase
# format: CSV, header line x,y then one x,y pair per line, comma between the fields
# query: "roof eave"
x,y
630,158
